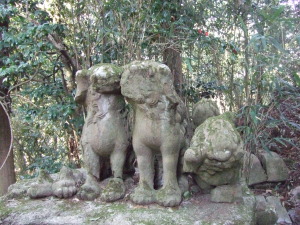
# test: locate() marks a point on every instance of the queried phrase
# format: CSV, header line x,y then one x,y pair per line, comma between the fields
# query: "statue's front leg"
x,y
144,193
115,189
90,190
169,194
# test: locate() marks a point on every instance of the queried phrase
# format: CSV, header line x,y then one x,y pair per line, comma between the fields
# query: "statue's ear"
x,y
82,78
83,82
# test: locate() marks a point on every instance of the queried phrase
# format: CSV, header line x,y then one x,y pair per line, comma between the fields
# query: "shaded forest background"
x,y
244,54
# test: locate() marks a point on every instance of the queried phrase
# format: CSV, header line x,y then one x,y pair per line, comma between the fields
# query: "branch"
x,y
26,81
58,44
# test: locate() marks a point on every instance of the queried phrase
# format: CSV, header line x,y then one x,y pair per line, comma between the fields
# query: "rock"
x,y
295,195
19,189
183,183
265,213
227,193
74,212
283,216
204,109
295,215
256,174
205,187
195,189
274,165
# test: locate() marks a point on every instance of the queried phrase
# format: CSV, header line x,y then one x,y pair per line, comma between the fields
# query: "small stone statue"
x,y
204,109
216,155
158,129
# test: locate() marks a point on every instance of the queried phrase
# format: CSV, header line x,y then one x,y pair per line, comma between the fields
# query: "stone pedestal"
x,y
196,210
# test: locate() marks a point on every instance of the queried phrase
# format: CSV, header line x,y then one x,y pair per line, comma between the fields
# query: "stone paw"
x,y
143,195
114,190
168,197
65,187
88,192
40,190
42,187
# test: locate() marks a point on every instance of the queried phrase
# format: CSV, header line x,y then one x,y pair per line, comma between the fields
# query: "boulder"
x,y
255,173
274,166
295,215
283,216
227,193
265,213
295,195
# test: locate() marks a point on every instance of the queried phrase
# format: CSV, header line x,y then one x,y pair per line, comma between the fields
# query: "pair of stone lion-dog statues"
x,y
159,127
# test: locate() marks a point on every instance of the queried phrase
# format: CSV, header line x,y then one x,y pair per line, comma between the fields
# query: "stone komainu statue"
x,y
105,136
215,156
159,127
105,133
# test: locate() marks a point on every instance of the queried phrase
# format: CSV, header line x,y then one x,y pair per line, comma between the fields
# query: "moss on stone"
x,y
114,190
71,211
4,211
216,142
105,77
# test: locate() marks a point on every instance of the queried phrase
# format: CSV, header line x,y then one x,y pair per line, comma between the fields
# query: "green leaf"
x,y
253,117
243,25
296,125
276,44
279,140
264,42
297,79
189,65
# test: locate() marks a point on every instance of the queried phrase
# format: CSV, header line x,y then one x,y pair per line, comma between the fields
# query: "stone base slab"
x,y
198,210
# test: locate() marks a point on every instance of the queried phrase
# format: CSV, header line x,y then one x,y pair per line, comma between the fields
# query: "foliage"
x,y
44,116
274,127
44,135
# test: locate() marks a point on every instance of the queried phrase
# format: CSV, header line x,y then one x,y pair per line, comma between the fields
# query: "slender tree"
x,y
7,170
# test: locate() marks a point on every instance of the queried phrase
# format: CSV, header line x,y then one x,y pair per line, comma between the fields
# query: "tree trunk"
x,y
172,58
7,171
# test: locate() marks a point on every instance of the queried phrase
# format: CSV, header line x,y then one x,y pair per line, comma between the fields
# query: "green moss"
x,y
116,69
44,177
115,185
107,210
83,74
4,211
247,214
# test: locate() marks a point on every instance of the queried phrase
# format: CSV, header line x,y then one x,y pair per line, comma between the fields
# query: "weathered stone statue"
x,y
215,156
204,109
158,129
104,134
